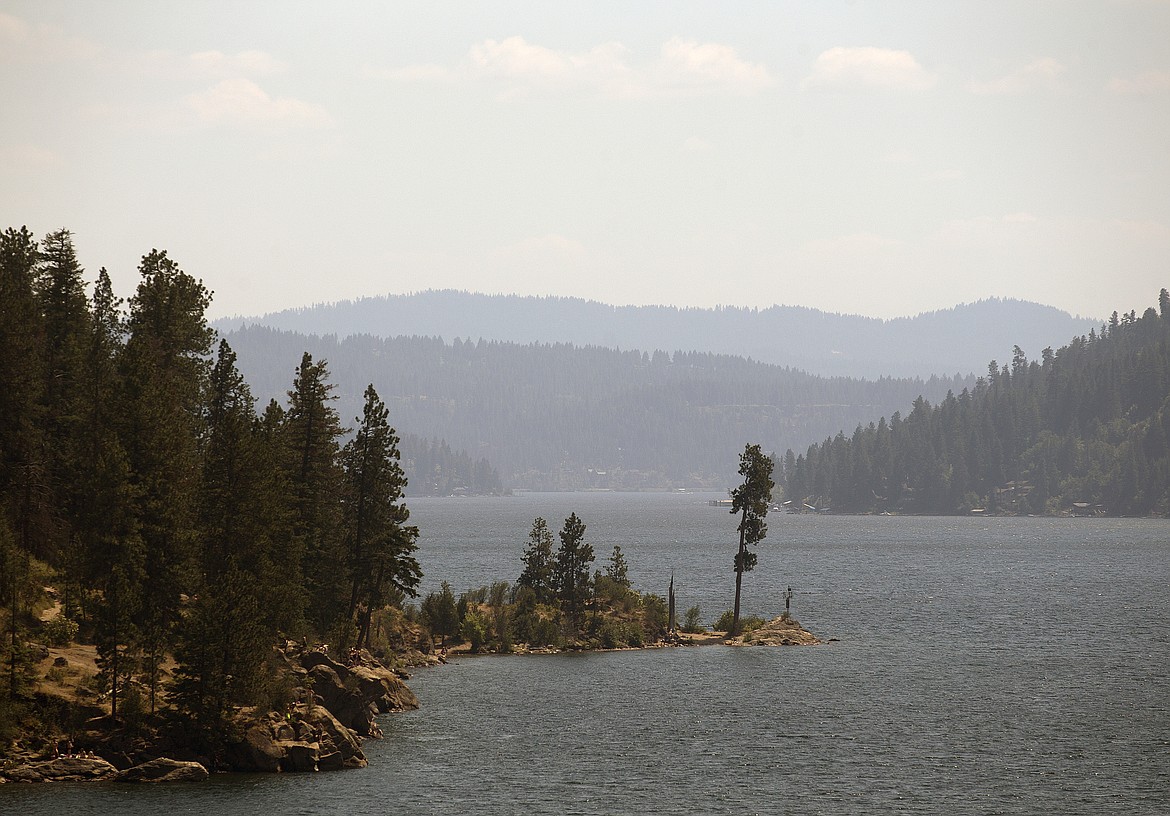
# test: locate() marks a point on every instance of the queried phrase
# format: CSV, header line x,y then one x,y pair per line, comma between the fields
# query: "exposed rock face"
x,y
779,631
324,732
62,769
257,752
164,770
356,694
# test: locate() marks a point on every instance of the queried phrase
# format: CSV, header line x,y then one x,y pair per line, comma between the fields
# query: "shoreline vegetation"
x,y
330,709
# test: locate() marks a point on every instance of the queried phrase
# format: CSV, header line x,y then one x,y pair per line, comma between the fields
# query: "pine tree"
x,y
311,432
379,544
538,562
164,372
573,568
617,569
750,500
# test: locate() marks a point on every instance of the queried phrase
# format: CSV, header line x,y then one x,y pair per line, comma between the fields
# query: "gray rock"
x,y
63,769
164,770
256,752
299,757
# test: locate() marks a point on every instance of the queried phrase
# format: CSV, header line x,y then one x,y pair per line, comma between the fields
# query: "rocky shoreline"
x,y
321,729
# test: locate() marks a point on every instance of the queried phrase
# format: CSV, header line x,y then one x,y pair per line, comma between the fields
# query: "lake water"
x,y
983,665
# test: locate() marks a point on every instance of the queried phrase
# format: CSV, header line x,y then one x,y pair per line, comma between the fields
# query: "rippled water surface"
x,y
981,666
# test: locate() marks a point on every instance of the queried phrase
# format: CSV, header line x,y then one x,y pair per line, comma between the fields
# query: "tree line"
x,y
558,600
177,521
556,416
1086,427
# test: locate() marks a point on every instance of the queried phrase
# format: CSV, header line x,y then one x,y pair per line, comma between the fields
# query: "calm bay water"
x,y
982,666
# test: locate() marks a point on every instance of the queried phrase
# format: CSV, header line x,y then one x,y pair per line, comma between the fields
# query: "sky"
x,y
876,158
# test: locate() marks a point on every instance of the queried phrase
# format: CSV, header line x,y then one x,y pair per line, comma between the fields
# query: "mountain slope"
x,y
1086,427
562,417
961,339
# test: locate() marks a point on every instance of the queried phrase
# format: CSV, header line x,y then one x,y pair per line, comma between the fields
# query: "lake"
x,y
982,665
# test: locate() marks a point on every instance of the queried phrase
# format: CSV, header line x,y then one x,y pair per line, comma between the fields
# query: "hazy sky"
x,y
881,158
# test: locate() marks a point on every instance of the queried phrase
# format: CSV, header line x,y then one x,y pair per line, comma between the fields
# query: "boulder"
x,y
333,736
357,694
164,770
63,769
256,752
299,757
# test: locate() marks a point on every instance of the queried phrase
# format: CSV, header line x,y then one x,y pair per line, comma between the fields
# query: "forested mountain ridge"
x,y
1086,428
960,339
556,416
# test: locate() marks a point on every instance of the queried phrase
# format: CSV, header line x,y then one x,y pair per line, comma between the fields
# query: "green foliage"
x,y
539,562
474,629
618,570
751,501
60,630
439,612
617,595
655,616
691,622
615,635
379,543
571,571
746,624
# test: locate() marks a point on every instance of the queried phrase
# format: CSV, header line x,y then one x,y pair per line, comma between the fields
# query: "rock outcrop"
x,y
781,631
324,731
62,769
164,770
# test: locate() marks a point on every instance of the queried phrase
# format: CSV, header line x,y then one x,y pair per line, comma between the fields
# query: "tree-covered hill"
x,y
960,339
1085,428
563,417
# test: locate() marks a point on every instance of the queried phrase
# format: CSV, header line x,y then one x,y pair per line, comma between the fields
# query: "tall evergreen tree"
x,y
750,500
573,568
538,562
311,432
110,551
24,482
164,369
379,544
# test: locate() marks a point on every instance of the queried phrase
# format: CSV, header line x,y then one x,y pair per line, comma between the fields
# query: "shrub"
x,y
474,629
60,631
610,635
655,617
691,624
747,623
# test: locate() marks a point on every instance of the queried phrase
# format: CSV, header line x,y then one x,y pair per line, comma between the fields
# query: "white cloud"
x,y
241,101
868,67
40,44
1147,82
687,65
682,67
252,63
1039,75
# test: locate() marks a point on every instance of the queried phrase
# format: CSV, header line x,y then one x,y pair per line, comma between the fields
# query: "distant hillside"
x,y
958,340
1085,428
561,417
